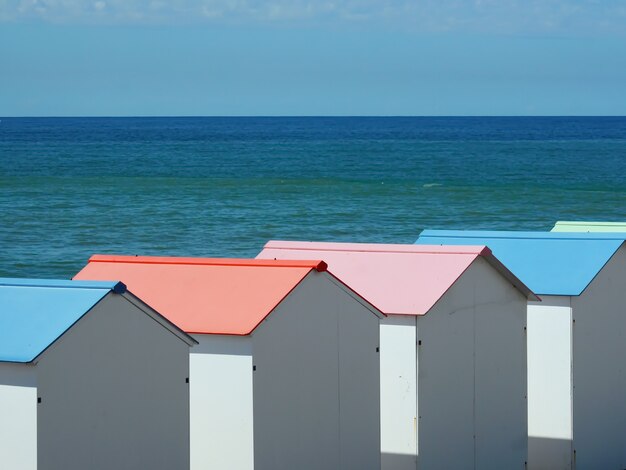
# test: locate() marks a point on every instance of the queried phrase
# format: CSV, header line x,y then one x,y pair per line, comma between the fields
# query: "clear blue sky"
x,y
318,57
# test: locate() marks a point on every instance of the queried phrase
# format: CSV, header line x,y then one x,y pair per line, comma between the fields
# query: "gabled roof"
x,y
34,313
579,226
397,279
205,295
549,263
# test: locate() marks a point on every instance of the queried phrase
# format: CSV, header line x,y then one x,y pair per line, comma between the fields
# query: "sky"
x,y
341,57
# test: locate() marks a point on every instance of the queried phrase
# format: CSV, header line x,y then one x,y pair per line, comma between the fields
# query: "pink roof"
x,y
397,279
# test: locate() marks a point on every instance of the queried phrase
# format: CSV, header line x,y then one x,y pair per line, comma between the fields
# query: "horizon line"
x,y
129,116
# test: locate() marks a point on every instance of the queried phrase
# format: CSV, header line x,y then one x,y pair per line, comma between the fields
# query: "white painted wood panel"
x,y
18,416
221,403
550,384
398,392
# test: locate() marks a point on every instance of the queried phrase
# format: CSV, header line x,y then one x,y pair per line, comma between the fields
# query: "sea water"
x,y
71,187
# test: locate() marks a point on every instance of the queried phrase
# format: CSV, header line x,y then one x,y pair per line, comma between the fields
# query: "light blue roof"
x,y
549,263
34,313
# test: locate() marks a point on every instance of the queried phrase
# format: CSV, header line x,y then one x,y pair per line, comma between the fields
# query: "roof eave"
x,y
508,274
159,318
20,361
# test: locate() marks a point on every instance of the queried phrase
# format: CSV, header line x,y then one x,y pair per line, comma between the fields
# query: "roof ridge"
x,y
584,236
318,265
480,250
115,286
589,222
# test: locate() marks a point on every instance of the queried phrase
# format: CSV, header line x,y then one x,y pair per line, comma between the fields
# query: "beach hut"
x,y
285,370
576,341
574,226
90,378
453,350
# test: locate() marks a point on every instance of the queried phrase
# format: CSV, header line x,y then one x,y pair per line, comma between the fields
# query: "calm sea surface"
x,y
71,187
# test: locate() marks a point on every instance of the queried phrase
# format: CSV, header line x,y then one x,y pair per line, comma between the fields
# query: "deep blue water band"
x,y
70,187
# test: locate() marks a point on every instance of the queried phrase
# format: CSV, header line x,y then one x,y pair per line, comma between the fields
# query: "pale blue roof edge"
x,y
546,266
115,286
524,235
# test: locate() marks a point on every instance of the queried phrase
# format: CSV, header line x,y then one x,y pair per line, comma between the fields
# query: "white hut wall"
x,y
114,393
222,433
599,371
550,383
445,382
18,416
500,368
398,392
359,381
472,374
316,401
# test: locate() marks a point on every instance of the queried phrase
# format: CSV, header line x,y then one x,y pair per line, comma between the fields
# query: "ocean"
x,y
71,187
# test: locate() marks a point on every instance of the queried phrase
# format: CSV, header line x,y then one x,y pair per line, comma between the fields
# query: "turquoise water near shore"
x,y
71,187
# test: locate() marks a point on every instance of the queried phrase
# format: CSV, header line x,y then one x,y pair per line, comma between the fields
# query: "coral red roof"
x,y
205,295
397,279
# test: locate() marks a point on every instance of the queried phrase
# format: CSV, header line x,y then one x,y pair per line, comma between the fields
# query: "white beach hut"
x,y
452,350
90,378
286,370
576,341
